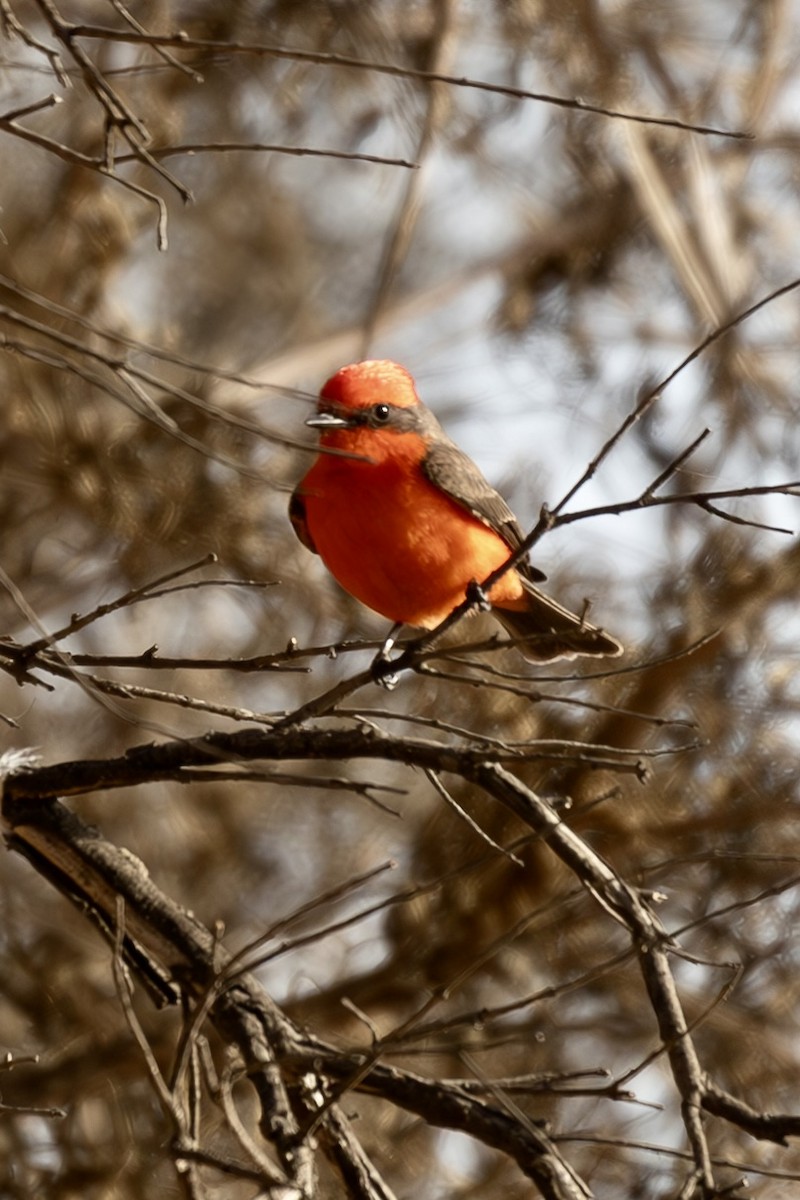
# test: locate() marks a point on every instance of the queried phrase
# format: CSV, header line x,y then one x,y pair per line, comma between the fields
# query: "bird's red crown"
x,y
376,381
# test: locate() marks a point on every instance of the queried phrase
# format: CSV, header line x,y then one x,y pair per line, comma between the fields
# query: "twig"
x,y
14,26
131,376
191,149
124,601
653,394
8,118
464,815
182,41
676,464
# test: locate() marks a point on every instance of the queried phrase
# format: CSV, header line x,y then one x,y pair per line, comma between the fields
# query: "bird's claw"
x,y
381,667
477,596
382,672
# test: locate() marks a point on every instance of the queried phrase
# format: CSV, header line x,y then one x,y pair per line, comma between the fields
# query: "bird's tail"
x,y
552,632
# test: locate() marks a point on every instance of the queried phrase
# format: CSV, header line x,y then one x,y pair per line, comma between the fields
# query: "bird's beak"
x,y
327,420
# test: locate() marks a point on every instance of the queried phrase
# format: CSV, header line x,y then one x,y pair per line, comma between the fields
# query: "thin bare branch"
x,y
205,45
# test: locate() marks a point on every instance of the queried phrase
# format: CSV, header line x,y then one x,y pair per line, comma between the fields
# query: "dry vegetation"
x,y
316,924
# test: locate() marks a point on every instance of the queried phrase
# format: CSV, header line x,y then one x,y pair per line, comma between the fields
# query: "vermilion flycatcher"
x,y
406,522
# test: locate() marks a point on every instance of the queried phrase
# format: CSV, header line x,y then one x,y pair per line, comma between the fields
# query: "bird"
x,y
405,521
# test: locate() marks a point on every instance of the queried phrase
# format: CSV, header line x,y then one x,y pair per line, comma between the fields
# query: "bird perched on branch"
x,y
407,524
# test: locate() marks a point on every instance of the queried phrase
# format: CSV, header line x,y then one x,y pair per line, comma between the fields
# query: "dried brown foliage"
x,y
554,913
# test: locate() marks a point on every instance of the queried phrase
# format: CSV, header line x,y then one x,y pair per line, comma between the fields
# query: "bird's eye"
x,y
381,413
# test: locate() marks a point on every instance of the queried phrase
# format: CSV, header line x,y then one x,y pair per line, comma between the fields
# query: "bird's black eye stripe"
x,y
381,415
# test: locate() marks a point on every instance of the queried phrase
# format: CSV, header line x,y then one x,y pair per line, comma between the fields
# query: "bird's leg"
x,y
389,640
381,662
477,596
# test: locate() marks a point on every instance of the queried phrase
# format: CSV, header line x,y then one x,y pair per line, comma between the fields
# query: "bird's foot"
x,y
382,672
381,667
478,597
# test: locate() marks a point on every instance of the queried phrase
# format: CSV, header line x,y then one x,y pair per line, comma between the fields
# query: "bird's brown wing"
x,y
454,473
297,515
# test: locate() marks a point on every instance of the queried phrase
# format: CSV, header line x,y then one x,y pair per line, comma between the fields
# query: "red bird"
x,y
406,522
